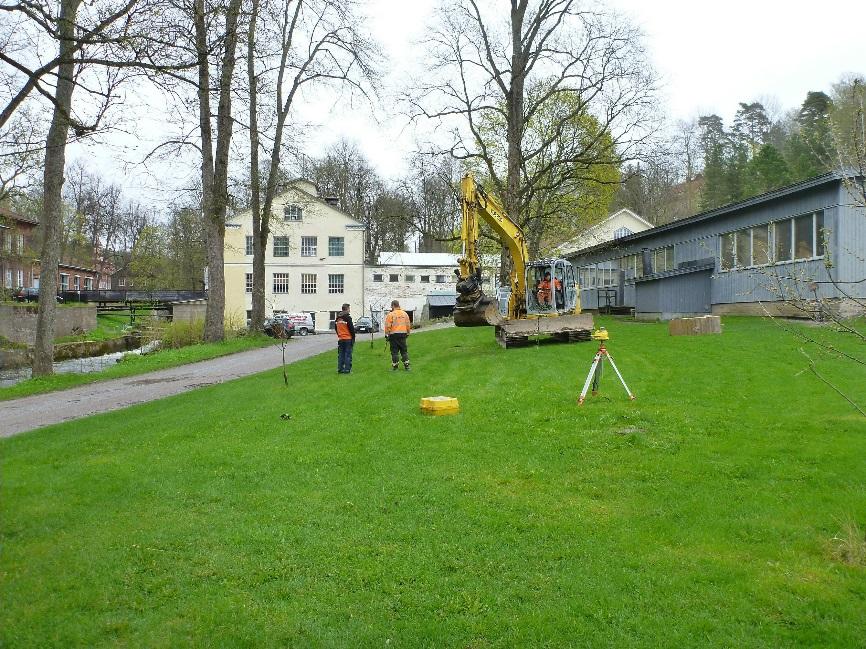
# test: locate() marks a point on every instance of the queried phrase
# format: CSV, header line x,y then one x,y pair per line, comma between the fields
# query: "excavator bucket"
x,y
482,313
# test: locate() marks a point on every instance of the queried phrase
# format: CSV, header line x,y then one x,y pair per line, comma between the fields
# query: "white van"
x,y
303,323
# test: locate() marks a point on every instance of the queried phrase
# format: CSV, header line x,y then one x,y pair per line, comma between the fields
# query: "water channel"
x,y
70,366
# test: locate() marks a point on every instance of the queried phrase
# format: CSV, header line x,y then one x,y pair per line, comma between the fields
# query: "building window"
x,y
281,246
663,259
761,245
293,213
335,283
336,246
308,246
410,278
64,282
308,283
441,279
249,245
8,278
248,288
378,277
88,283
619,233
20,244
804,237
393,278
121,282
632,265
281,282
425,279
7,242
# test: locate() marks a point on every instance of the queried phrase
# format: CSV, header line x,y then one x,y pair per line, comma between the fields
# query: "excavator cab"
x,y
551,287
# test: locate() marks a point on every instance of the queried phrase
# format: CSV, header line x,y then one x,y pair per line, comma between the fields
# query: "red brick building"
x,y
19,265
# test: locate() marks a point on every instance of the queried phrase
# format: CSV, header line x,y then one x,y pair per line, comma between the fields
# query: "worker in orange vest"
x,y
543,290
397,327
345,340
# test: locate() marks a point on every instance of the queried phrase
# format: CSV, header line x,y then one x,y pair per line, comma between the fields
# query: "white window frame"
x,y
284,246
309,283
248,245
336,283
333,242
441,279
309,249
280,283
248,283
293,212
88,283
64,281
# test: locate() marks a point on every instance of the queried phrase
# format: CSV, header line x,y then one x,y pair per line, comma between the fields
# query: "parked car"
x,y
303,323
366,324
279,327
30,294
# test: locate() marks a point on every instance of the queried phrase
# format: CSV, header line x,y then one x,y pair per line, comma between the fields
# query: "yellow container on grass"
x,y
440,405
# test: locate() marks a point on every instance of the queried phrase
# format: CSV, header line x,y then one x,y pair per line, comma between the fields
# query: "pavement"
x,y
28,413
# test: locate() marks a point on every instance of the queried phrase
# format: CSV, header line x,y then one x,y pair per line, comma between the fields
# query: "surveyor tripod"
x,y
595,371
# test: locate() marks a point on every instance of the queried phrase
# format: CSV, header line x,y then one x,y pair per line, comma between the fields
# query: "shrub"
x,y
182,334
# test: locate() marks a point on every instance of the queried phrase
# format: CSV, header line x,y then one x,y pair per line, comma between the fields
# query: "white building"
x,y
617,225
314,260
409,277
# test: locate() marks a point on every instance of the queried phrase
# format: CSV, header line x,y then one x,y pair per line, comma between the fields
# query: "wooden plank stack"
x,y
708,324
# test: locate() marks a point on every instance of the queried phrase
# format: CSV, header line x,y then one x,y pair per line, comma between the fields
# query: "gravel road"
x,y
27,413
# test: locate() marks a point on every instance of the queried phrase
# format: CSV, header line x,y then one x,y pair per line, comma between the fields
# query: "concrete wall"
x,y
18,322
191,311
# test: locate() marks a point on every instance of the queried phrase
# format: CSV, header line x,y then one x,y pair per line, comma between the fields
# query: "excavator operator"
x,y
543,290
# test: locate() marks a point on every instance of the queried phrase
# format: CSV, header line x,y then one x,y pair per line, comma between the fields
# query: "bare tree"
x,y
583,70
215,162
302,44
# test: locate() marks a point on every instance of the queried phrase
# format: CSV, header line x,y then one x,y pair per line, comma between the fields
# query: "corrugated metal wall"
x,y
700,240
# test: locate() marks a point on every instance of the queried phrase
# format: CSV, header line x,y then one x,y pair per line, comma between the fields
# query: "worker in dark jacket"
x,y
397,327
345,340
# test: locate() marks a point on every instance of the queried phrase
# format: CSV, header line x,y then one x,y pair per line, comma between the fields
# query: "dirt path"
x,y
27,413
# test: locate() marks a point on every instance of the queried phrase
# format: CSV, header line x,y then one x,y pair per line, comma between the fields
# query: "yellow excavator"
x,y
544,298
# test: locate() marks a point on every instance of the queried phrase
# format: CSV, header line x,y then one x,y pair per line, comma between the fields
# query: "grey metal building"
x,y
786,252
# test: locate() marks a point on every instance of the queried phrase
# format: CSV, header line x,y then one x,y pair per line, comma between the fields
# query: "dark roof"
x,y
15,216
809,183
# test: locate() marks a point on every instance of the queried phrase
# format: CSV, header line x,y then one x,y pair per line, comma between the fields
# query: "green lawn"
x,y
702,514
133,364
108,327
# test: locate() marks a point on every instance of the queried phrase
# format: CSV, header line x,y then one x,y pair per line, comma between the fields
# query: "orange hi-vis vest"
x,y
342,328
397,322
544,289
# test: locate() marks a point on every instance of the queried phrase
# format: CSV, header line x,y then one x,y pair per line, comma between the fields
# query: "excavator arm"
x,y
473,307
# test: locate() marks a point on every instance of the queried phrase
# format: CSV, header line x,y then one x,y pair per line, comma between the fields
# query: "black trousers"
x,y
398,346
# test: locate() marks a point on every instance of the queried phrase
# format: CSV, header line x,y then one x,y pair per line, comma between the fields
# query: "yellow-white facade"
x,y
314,261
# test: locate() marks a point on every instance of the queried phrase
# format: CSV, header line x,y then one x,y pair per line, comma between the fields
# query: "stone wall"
x,y
18,321
191,311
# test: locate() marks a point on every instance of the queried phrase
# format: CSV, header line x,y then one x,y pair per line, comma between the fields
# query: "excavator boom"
x,y
473,307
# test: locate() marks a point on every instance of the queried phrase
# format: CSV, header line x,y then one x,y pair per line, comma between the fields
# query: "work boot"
x,y
394,367
406,365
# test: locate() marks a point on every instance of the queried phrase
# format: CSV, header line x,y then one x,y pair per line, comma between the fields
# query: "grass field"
x,y
334,514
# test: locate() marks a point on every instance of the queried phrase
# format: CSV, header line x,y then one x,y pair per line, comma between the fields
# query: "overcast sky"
x,y
710,56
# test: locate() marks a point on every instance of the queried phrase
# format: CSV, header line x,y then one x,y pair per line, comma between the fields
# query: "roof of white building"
x,y
417,259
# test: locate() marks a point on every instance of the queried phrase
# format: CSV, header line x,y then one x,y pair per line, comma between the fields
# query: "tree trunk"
x,y
55,161
215,167
260,235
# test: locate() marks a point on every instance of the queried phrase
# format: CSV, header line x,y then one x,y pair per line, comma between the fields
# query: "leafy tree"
x,y
810,147
767,170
